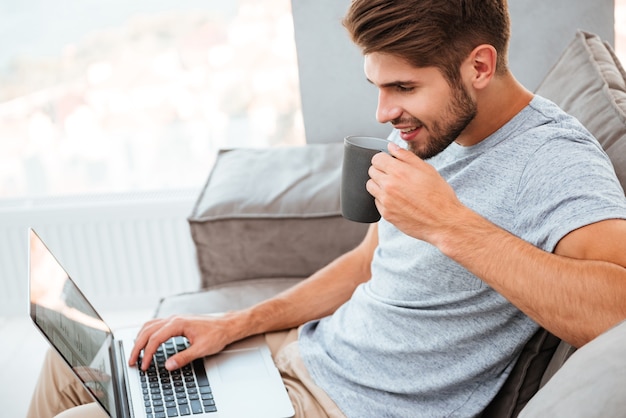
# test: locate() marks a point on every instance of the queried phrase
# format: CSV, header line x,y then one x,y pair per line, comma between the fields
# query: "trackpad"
x,y
238,365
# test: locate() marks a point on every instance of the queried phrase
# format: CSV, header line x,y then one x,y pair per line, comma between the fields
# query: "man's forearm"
x,y
318,296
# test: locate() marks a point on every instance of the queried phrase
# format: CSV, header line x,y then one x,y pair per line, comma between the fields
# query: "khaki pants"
x,y
59,393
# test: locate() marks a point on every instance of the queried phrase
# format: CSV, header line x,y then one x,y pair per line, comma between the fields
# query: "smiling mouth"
x,y
407,125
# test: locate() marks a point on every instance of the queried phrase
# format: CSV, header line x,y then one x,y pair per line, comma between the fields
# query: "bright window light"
x,y
115,96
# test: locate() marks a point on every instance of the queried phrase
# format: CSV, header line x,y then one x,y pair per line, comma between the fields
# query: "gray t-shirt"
x,y
426,338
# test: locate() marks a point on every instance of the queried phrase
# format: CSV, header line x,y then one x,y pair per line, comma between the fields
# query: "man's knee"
x,y
92,410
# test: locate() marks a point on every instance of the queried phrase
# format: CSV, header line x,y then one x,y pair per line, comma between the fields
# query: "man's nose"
x,y
386,110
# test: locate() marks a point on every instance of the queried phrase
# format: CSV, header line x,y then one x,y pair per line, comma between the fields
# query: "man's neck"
x,y
498,104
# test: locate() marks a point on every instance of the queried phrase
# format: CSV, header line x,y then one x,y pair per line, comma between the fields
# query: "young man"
x,y
500,214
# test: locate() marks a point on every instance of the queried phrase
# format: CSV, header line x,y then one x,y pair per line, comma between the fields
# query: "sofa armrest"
x,y
272,212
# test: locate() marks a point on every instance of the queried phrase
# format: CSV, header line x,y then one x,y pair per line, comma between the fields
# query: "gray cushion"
x,y
592,383
273,212
588,82
223,297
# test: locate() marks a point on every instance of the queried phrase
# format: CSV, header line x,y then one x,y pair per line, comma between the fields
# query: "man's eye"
x,y
404,89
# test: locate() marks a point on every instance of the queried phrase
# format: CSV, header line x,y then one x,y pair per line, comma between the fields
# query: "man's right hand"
x,y
206,334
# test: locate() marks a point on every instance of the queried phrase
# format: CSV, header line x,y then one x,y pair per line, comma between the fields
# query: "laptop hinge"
x,y
125,401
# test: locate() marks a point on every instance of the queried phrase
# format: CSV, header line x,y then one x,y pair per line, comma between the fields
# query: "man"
x,y
501,215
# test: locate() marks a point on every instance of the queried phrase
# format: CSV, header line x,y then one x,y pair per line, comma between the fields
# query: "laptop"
x,y
241,381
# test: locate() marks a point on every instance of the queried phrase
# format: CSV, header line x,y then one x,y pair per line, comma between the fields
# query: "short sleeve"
x,y
569,183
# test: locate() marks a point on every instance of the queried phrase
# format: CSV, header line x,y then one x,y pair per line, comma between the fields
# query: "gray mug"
x,y
357,204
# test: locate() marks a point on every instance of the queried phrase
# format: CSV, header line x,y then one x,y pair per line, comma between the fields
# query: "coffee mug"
x,y
357,204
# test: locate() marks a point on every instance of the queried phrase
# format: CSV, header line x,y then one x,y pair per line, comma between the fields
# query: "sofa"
x,y
268,218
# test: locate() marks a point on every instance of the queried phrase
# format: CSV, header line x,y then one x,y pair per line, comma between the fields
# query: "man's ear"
x,y
482,64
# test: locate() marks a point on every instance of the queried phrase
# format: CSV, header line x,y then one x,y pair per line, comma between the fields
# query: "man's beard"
x,y
460,112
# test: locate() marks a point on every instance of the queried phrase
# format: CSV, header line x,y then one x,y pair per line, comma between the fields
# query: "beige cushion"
x,y
273,212
590,384
588,82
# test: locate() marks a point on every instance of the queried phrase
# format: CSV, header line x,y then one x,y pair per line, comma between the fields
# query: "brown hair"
x,y
430,33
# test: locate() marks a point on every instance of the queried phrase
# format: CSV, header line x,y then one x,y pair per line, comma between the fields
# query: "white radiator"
x,y
125,251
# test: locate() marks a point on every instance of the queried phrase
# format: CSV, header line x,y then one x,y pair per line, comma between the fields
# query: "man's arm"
x,y
576,293
318,296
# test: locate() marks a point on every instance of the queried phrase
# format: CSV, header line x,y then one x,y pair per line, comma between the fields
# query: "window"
x,y
115,96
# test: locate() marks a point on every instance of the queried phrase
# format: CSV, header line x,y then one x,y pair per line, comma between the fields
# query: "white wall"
x,y
542,29
337,100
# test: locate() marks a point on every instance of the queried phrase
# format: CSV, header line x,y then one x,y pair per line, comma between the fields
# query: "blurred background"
x,y
123,95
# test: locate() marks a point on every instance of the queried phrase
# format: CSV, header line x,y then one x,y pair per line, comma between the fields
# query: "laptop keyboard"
x,y
181,392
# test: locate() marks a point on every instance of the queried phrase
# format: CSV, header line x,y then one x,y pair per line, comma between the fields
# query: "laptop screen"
x,y
70,323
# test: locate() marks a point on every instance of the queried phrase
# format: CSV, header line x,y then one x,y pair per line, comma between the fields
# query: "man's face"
x,y
429,113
